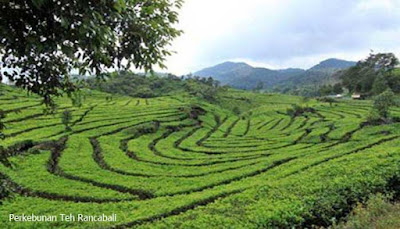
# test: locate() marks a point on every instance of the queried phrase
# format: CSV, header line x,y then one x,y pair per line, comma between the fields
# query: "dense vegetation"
x,y
377,212
369,77
291,80
178,161
149,86
42,41
374,75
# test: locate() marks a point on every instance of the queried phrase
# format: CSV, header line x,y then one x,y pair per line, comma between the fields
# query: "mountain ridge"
x,y
244,76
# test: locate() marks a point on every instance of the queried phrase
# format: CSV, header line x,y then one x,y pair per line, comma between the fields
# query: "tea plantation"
x,y
179,162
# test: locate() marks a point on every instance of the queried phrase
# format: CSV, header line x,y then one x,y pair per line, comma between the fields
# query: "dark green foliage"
x,y
378,212
371,76
77,99
393,80
203,88
147,128
259,86
337,88
327,100
236,111
297,110
66,118
46,39
383,102
381,107
143,86
193,112
4,190
135,85
326,90
2,126
379,86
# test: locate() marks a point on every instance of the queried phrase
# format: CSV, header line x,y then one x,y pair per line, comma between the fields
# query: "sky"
x,y
283,33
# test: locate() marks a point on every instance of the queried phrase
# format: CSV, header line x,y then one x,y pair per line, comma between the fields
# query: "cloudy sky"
x,y
283,33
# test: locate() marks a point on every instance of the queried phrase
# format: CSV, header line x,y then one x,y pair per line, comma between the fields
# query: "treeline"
x,y
148,86
313,91
374,75
369,77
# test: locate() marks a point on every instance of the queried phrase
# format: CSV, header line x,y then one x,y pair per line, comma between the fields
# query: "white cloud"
x,y
283,33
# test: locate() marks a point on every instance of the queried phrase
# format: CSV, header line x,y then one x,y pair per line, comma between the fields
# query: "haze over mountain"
x,y
244,76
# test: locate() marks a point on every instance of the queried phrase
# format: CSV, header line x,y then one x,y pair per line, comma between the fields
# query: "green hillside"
x,y
244,76
179,162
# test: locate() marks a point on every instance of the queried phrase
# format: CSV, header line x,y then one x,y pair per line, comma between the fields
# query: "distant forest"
x,y
149,86
369,77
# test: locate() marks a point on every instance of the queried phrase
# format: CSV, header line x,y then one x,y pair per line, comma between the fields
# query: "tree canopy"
x,y
42,41
148,86
373,75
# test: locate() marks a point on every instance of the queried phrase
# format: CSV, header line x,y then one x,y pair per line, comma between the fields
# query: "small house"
x,y
356,96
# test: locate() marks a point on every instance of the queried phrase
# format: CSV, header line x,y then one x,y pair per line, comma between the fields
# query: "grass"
x,y
157,165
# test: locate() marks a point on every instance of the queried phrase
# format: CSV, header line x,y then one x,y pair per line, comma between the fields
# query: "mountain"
x,y
244,76
333,64
326,72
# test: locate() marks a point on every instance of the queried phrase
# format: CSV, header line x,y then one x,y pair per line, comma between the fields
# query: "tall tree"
x,y
383,102
42,41
361,77
337,88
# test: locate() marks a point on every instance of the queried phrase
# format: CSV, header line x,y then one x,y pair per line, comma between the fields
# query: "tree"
x,y
2,126
337,88
327,100
380,85
43,40
259,86
393,80
362,77
77,99
383,102
196,87
66,118
326,90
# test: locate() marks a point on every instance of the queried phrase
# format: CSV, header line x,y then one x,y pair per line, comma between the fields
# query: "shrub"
x,y
297,110
2,126
380,111
327,100
4,190
378,212
147,128
236,111
193,111
383,102
66,118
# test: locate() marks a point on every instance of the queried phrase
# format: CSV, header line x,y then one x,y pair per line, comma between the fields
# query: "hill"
x,y
244,76
321,74
180,162
333,64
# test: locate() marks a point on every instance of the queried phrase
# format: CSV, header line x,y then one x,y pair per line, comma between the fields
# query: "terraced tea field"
x,y
177,162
